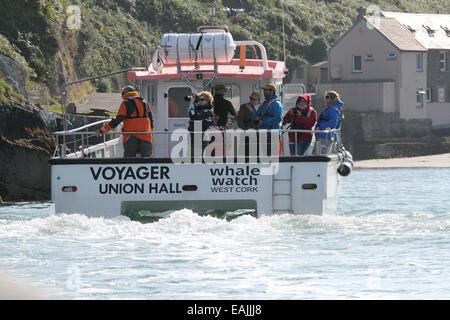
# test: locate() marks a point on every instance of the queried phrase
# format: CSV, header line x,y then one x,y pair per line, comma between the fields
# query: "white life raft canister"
x,y
201,48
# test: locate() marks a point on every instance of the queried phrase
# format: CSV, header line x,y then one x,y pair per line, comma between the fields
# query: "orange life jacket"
x,y
136,112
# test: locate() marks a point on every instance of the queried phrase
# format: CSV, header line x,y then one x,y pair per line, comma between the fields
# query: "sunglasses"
x,y
201,99
252,98
329,97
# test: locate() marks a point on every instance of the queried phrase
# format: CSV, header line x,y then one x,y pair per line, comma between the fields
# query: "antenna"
x,y
282,19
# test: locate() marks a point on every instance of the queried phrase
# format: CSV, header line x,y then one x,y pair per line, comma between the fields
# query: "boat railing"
x,y
85,142
71,141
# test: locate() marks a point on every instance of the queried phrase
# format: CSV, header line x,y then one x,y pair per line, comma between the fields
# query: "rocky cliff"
x,y
25,147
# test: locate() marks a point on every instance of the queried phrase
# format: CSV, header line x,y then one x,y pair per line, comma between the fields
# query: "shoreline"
x,y
431,161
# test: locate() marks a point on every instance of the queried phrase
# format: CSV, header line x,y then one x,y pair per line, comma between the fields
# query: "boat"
x,y
90,176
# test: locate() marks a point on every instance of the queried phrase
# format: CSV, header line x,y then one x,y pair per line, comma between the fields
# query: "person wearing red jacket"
x,y
136,114
300,117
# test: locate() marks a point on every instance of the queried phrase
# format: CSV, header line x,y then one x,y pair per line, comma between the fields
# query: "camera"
x,y
188,98
255,122
296,111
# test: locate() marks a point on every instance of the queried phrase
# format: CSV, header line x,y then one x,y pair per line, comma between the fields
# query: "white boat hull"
x,y
113,187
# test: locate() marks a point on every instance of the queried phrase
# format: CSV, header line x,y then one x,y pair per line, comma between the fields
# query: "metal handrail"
x,y
82,128
107,136
74,131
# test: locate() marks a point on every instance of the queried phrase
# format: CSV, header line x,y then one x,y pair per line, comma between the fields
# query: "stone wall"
x,y
384,135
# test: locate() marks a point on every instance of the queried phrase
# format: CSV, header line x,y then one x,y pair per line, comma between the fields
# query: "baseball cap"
x,y
270,86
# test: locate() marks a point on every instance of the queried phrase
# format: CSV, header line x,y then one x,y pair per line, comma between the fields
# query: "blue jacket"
x,y
330,118
270,115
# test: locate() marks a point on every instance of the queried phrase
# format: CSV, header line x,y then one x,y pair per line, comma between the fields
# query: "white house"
x,y
396,62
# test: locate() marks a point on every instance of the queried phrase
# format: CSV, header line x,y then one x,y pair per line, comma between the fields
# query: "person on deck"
x,y
200,111
222,107
301,117
245,120
330,118
246,110
136,115
268,115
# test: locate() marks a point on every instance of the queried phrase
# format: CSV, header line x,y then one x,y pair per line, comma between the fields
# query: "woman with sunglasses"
x,y
330,118
246,110
200,110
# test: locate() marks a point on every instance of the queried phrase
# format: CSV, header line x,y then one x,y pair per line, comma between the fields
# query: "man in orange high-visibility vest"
x,y
136,114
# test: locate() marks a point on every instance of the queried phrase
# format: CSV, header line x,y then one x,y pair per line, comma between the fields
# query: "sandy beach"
x,y
433,161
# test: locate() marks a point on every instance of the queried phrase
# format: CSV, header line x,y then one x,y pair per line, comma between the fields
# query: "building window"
x,y
300,73
368,57
443,60
419,99
447,30
428,94
430,31
391,56
419,62
357,64
441,95
323,75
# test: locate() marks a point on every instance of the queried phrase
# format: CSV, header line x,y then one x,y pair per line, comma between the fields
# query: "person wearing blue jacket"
x,y
268,116
330,118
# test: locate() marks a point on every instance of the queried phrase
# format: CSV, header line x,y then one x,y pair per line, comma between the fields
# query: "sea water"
x,y
390,239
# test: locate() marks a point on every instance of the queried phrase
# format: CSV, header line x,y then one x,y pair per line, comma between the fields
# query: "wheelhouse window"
x,y
419,62
178,107
357,64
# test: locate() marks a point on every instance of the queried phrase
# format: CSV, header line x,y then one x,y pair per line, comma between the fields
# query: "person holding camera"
x,y
301,117
200,111
136,114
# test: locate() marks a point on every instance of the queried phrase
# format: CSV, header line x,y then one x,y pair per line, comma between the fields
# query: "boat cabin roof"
x,y
253,69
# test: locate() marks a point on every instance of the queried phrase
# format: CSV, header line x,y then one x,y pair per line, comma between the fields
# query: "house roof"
x,y
320,64
432,31
396,33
